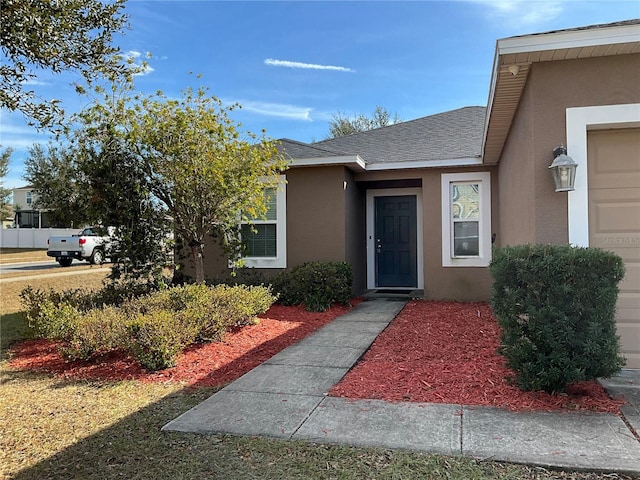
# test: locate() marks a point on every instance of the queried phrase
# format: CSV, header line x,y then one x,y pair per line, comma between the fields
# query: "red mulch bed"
x,y
444,352
209,364
439,352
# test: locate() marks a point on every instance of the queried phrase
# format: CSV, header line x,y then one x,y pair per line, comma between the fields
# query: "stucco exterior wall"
x,y
315,215
316,222
530,209
355,231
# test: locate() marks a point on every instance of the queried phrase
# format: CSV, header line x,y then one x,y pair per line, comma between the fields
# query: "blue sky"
x,y
292,65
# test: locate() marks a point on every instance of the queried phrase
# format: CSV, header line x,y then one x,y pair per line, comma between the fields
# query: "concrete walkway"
x,y
285,397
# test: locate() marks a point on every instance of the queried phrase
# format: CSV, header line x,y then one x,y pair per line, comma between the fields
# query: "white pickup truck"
x,y
93,244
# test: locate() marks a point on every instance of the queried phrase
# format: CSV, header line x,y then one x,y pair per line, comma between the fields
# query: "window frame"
x,y
483,180
280,260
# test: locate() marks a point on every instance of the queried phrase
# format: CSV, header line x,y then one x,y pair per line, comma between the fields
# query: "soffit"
x,y
514,57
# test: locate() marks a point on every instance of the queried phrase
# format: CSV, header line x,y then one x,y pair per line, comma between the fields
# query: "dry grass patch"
x,y
10,291
17,255
52,428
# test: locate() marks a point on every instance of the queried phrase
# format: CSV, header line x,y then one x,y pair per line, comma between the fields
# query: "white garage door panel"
x,y
614,221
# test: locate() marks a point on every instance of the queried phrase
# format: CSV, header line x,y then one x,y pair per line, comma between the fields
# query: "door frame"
x,y
370,232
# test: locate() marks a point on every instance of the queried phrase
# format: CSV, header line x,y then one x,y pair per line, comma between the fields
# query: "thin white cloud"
x,y
290,112
523,12
33,81
309,66
136,58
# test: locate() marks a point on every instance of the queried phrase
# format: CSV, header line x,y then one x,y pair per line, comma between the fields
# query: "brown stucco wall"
x,y
530,209
355,231
325,222
315,215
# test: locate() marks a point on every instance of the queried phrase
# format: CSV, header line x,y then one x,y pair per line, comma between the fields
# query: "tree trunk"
x,y
196,251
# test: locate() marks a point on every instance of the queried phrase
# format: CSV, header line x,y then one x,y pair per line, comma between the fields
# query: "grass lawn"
x,y
56,428
15,255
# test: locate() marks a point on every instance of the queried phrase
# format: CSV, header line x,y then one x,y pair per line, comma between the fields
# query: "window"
x,y
265,239
29,198
466,219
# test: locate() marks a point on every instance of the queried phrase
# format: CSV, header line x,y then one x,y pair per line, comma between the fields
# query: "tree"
x,y
341,125
6,212
195,164
119,195
54,35
102,182
58,184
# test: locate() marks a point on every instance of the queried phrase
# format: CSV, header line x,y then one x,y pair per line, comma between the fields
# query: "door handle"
x,y
378,246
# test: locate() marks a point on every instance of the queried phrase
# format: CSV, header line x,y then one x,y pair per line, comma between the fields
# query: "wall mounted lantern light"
x,y
563,170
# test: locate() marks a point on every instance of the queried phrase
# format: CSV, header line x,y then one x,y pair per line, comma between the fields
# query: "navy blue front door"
x,y
396,241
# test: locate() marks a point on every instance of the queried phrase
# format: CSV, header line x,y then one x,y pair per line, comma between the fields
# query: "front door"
x,y
396,241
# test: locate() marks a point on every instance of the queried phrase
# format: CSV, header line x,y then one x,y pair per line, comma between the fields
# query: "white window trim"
x,y
484,225
370,221
579,121
280,261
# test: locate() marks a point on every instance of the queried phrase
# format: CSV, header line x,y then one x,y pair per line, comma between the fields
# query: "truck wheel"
x,y
97,257
65,262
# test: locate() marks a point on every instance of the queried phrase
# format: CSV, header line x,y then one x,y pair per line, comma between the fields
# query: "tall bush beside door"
x,y
556,305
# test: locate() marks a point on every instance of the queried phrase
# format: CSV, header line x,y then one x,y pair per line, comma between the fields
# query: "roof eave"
x,y
354,162
513,59
413,164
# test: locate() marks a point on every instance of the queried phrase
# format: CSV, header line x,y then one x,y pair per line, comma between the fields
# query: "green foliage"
x,y
234,306
157,338
112,294
341,125
193,160
98,330
83,183
556,305
59,186
315,284
54,320
38,36
154,327
126,202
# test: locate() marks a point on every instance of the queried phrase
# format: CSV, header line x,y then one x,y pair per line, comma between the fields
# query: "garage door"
x,y
614,221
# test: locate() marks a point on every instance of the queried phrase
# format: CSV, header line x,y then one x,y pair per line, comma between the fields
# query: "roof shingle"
x,y
443,136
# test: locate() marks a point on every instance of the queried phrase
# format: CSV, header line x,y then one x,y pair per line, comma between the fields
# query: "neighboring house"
x,y
417,205
26,213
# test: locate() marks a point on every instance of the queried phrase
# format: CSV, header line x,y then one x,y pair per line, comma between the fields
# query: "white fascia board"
x,y
349,160
492,92
590,37
451,162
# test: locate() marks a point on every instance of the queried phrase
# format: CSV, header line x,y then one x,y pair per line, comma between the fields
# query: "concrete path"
x,y
285,397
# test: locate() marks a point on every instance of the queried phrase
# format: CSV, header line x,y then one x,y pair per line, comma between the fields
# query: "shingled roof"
x,y
456,134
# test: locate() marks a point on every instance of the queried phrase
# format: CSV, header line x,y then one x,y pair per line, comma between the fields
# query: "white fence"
x,y
31,237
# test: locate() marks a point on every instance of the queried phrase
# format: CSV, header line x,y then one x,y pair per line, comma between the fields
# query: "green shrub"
x,y
157,338
83,299
155,327
81,333
98,330
232,306
556,305
53,320
316,285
